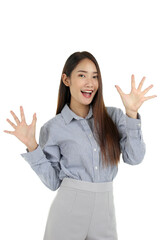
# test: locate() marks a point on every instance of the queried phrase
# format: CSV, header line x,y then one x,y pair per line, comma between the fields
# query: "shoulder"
x,y
54,124
51,129
115,113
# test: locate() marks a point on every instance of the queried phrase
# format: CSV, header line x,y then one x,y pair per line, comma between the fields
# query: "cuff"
x,y
36,156
133,123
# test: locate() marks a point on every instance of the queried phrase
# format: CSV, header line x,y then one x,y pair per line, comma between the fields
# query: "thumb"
x,y
119,89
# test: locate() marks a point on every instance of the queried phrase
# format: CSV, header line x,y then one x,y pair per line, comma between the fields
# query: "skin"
x,y
135,98
79,104
81,81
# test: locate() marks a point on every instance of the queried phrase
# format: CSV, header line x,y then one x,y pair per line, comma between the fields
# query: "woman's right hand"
x,y
25,133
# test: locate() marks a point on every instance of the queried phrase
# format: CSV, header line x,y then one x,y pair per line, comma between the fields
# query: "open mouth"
x,y
87,95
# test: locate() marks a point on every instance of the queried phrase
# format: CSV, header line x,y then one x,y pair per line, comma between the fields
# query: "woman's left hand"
x,y
134,100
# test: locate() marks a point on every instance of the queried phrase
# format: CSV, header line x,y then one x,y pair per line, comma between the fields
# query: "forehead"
x,y
86,64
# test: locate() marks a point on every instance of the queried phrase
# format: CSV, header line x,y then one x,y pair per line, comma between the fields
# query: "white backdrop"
x,y
36,39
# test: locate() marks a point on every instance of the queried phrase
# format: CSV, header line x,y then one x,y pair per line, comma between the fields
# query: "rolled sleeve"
x,y
44,160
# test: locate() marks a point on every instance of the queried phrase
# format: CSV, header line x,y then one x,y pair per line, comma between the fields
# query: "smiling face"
x,y
84,77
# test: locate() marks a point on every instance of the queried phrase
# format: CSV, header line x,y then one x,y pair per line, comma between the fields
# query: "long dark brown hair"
x,y
106,130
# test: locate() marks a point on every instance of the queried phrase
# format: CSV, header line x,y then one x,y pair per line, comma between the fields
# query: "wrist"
x,y
131,114
32,147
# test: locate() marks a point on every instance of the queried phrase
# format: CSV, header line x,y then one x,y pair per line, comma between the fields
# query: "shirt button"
x,y
90,135
95,167
139,124
94,149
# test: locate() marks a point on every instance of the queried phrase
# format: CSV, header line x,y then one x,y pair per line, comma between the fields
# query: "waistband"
x,y
88,186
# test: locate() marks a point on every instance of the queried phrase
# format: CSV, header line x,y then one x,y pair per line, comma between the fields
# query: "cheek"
x,y
75,91
96,85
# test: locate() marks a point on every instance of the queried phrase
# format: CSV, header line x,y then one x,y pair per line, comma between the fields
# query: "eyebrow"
x,y
85,71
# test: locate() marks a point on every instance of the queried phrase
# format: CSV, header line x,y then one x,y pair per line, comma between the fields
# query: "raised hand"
x,y
135,98
25,133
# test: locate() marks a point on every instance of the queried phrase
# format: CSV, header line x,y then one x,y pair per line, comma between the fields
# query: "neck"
x,y
80,110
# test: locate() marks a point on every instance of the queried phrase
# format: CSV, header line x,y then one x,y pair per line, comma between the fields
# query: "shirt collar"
x,y
68,114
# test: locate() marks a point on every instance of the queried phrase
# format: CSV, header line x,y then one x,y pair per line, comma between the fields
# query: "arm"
x,y
132,145
44,160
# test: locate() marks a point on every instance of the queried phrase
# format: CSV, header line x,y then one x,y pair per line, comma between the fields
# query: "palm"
x,y
25,133
135,99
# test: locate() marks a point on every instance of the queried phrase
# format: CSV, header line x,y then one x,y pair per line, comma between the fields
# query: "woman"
x,y
79,150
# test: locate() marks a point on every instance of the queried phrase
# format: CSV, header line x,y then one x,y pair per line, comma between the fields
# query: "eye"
x,y
80,75
95,76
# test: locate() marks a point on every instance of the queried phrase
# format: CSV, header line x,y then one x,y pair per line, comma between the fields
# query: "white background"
x,y
36,38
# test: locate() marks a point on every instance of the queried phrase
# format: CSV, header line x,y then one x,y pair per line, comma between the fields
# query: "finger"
x,y
149,97
147,89
15,117
10,132
133,81
141,83
12,124
22,114
34,119
119,90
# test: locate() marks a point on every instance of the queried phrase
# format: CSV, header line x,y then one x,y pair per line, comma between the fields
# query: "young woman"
x,y
79,150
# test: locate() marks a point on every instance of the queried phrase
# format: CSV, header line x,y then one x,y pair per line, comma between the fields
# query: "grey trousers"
x,y
82,211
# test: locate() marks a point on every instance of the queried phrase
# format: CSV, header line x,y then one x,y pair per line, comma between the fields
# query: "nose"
x,y
89,81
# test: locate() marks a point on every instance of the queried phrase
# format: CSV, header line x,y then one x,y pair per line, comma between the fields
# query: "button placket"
x,y
94,146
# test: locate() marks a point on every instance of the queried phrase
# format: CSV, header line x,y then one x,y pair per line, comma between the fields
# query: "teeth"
x,y
87,91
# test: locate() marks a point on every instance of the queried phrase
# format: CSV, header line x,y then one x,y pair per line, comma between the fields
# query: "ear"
x,y
65,80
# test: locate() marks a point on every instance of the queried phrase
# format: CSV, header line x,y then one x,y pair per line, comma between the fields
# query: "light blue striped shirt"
x,y
68,147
